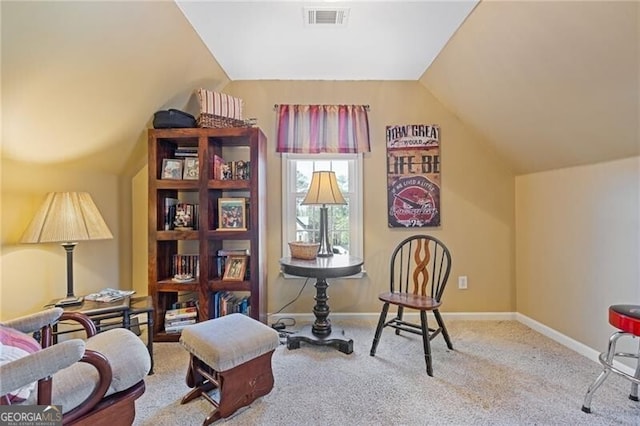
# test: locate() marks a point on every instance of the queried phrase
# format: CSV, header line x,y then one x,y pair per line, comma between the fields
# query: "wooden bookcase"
x,y
206,239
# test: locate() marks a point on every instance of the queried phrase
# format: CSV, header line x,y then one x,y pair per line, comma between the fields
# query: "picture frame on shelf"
x,y
232,214
191,169
235,268
171,169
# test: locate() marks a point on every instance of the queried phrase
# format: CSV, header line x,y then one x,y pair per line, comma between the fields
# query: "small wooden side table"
x,y
321,268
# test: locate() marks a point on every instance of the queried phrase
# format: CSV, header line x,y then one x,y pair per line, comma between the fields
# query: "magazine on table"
x,y
108,295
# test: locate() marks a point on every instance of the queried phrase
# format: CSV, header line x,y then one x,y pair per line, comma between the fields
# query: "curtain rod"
x,y
275,106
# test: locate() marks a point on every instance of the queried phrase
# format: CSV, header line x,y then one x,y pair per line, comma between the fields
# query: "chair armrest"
x,y
39,365
105,375
34,322
83,320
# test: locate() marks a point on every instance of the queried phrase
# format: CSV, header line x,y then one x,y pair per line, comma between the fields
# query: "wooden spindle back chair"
x,y
419,271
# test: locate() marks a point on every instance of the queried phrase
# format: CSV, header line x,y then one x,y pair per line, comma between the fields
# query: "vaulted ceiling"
x,y
298,40
548,84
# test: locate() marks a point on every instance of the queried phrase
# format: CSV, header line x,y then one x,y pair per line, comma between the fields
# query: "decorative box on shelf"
x,y
218,110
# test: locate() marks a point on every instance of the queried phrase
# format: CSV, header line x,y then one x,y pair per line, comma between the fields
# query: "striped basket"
x,y
220,110
217,121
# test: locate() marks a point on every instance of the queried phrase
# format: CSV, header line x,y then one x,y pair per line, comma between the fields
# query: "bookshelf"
x,y
191,244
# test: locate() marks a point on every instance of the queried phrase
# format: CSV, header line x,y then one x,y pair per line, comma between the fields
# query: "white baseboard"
x,y
373,316
568,342
554,335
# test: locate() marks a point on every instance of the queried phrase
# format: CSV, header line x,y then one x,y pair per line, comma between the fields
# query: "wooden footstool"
x,y
230,356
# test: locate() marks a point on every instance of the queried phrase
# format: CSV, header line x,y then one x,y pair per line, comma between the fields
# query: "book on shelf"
x,y
225,302
191,303
169,212
177,327
181,313
180,321
217,167
233,252
186,151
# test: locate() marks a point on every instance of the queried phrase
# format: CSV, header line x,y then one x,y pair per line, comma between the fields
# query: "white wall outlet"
x,y
462,282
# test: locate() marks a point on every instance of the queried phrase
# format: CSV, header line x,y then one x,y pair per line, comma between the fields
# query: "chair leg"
x,y
634,386
426,341
376,337
445,334
607,362
399,316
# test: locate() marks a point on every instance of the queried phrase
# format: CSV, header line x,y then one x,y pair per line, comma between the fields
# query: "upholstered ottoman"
x,y
230,362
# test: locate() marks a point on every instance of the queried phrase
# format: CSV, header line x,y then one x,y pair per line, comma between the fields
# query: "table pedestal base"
x,y
335,338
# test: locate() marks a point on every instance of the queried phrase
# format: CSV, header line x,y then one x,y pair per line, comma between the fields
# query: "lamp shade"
x,y
67,217
324,189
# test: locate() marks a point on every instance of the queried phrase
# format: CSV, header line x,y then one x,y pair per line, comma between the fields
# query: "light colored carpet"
x,y
500,373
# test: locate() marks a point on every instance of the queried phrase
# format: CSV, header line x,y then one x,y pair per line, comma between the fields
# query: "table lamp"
x,y
324,190
66,218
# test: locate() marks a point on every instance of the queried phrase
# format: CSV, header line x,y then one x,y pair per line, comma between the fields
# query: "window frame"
x,y
355,196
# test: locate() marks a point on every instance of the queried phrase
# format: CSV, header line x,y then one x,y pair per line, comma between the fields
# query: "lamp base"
x,y
69,301
325,249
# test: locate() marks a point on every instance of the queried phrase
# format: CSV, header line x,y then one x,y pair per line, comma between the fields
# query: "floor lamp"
x,y
324,190
66,218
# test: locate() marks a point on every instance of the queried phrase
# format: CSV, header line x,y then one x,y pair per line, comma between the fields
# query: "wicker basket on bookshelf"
x,y
307,251
217,121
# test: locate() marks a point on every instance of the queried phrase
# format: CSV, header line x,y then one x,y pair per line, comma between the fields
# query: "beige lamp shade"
x,y
67,217
324,189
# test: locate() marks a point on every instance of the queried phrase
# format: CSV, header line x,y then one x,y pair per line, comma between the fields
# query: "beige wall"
x,y
477,197
140,231
32,275
577,250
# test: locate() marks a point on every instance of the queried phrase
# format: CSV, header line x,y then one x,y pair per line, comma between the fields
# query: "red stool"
x,y
626,318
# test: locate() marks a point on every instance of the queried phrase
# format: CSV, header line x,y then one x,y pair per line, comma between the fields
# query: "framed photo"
x,y
171,169
191,169
232,214
235,267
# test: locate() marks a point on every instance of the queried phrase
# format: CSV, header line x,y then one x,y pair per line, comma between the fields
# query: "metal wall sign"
x,y
413,175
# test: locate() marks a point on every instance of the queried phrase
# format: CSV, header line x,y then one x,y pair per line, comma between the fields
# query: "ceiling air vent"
x,y
329,16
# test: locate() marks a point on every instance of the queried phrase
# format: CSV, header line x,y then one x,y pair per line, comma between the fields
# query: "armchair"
x,y
96,381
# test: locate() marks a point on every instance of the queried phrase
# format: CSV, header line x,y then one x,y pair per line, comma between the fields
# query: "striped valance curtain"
x,y
314,129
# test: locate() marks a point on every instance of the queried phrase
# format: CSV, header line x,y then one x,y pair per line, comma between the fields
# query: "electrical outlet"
x,y
462,282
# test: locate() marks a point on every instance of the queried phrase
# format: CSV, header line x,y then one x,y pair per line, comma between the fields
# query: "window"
x,y
301,223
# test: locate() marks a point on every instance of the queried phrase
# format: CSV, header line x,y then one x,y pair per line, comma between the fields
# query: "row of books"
x,y
175,320
183,265
230,170
179,215
224,303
